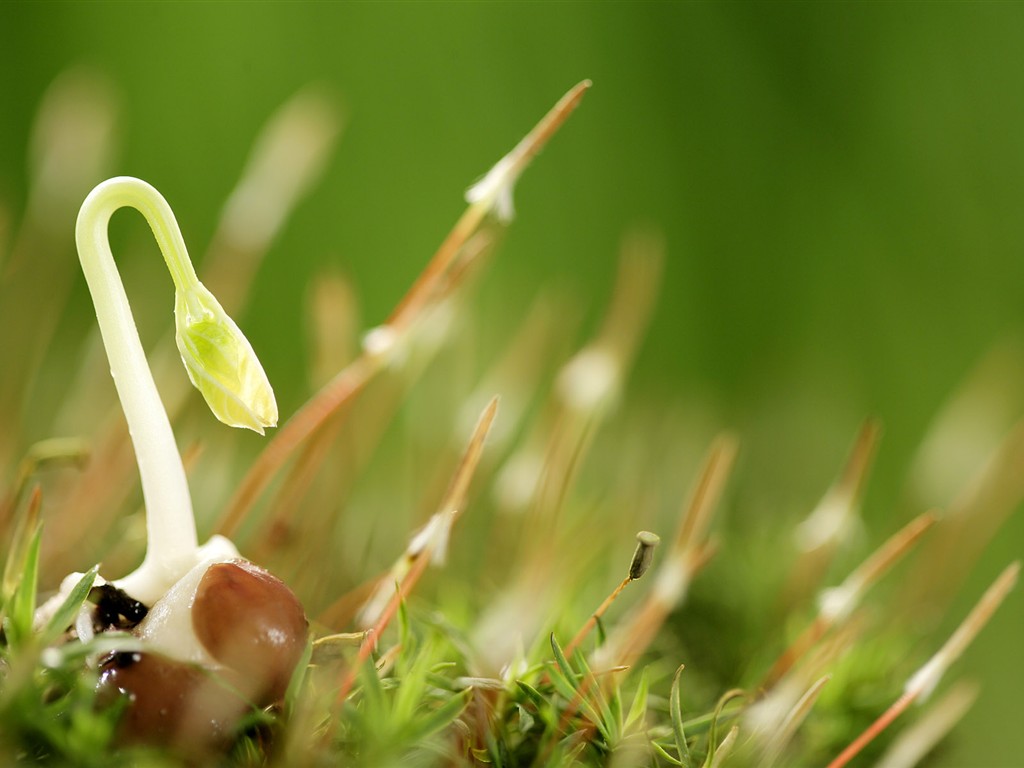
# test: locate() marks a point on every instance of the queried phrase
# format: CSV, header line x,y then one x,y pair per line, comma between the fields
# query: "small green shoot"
x,y
675,713
19,619
638,709
713,744
67,611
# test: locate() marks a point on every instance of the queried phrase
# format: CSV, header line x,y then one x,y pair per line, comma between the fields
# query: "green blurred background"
x,y
839,185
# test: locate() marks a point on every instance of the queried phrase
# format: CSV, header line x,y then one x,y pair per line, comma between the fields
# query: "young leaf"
x,y
532,694
69,609
610,723
373,692
404,631
638,708
728,696
563,663
495,752
221,363
412,689
665,755
299,676
441,717
23,602
19,546
526,720
677,719
615,724
562,676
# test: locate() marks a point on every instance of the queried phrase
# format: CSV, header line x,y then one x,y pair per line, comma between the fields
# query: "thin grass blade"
x,y
23,602
675,713
72,604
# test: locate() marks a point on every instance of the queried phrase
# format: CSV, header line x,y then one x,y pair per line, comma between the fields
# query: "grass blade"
x,y
638,709
23,602
735,693
664,754
563,677
563,663
441,717
72,604
675,713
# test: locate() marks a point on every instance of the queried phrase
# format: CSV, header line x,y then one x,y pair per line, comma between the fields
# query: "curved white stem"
x,y
171,532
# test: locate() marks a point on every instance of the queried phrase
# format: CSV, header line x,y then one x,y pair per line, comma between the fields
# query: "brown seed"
x,y
170,703
251,622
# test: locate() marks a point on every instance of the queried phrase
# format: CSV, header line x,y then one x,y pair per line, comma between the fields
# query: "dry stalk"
x,y
431,541
923,682
836,604
424,291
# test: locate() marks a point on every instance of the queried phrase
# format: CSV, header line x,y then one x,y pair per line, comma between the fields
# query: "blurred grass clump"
x,y
509,656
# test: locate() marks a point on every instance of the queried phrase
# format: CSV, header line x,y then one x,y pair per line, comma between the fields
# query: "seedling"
x,y
219,360
196,608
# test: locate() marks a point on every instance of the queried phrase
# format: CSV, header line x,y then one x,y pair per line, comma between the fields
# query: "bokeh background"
x,y
839,186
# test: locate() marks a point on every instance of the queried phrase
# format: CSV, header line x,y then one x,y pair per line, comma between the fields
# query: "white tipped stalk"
x,y
72,143
494,191
831,521
590,381
437,280
837,603
923,682
914,743
434,537
837,514
287,158
430,542
379,342
779,738
519,479
765,717
725,748
673,580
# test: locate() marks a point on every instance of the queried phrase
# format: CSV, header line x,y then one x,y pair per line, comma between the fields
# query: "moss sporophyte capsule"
x,y
644,554
216,634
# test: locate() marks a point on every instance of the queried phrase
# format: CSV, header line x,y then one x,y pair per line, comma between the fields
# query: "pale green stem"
x,y
171,533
